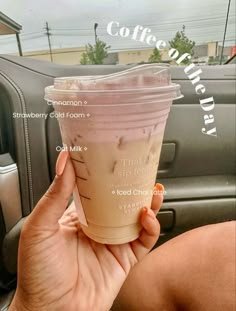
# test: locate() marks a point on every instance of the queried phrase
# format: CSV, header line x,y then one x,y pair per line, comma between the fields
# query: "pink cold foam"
x,y
110,123
132,104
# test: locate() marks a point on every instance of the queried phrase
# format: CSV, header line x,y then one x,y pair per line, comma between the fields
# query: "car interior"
x,y
197,170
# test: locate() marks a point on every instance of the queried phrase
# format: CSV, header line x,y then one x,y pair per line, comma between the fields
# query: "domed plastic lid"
x,y
139,77
146,80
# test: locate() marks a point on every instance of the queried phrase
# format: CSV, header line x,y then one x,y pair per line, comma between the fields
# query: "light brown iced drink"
x,y
119,146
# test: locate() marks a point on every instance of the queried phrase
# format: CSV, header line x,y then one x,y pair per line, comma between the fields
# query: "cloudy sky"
x,y
71,21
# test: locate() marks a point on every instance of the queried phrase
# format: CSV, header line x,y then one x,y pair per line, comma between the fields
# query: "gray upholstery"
x,y
5,300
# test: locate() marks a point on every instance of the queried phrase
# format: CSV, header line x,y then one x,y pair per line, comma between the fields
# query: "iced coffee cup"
x,y
113,126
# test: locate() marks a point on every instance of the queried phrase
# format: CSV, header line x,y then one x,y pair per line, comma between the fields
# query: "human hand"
x,y
59,268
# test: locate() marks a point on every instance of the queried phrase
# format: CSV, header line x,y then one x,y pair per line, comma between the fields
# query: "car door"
x,y
198,169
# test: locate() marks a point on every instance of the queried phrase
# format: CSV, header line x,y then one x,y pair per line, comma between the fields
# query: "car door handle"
x,y
167,155
166,219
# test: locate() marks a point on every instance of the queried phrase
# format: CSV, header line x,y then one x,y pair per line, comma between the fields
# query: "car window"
x,y
71,32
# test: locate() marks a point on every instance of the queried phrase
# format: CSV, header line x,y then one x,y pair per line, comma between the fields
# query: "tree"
x,y
95,54
84,59
155,57
213,60
183,44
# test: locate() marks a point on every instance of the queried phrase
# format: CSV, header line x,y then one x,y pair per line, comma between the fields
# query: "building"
x,y
138,56
67,56
10,27
133,56
71,56
210,51
111,59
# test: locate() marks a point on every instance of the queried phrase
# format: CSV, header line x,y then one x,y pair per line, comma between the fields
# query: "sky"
x,y
71,22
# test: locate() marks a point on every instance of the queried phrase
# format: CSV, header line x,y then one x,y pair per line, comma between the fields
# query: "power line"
x,y
173,22
37,34
164,29
31,33
189,27
155,25
155,31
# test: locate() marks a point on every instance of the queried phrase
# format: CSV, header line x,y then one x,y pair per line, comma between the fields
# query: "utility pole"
x,y
95,31
48,34
19,44
226,24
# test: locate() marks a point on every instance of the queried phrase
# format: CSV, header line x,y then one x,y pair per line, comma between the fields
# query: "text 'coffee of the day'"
x,y
142,34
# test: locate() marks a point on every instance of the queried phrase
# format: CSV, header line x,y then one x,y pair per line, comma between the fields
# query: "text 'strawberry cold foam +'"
x,y
115,139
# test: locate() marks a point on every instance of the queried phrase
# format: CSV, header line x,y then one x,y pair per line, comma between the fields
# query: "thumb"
x,y
52,205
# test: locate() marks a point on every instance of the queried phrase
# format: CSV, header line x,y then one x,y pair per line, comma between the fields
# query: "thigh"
x,y
195,271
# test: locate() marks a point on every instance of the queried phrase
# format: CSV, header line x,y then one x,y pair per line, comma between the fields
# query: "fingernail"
x,y
160,188
149,213
61,162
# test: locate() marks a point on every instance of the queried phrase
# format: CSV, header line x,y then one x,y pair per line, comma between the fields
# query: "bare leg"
x,y
195,271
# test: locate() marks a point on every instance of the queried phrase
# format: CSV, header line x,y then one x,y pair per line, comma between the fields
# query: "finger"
x,y
54,202
71,215
157,199
71,212
149,234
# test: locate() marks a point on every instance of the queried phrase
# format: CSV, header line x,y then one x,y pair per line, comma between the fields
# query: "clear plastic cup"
x,y
114,138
